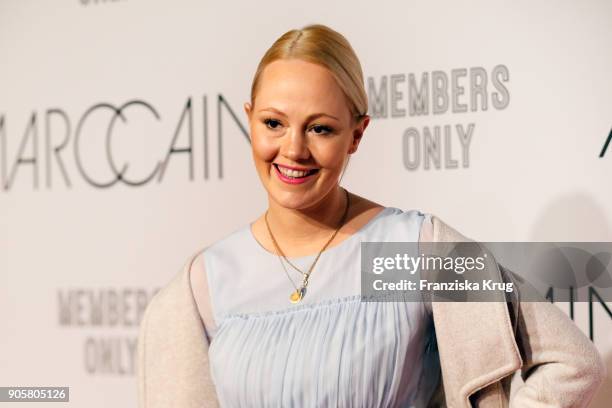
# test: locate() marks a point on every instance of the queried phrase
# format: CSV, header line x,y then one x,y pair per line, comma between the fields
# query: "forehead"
x,y
297,86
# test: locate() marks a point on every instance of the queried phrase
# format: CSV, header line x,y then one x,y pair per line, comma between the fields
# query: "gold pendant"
x,y
297,295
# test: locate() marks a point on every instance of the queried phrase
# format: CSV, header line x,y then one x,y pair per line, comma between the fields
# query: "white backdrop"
x,y
82,252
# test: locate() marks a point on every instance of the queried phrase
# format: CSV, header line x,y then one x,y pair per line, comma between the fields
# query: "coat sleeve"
x,y
561,366
172,352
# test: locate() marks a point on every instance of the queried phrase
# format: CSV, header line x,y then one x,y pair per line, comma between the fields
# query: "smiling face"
x,y
301,120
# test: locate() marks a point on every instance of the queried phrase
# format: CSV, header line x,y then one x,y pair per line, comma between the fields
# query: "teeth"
x,y
292,173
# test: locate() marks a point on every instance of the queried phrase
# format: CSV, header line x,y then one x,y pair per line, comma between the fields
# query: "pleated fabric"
x,y
330,350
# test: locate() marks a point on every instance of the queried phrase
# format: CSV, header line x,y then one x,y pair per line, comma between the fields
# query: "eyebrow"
x,y
308,119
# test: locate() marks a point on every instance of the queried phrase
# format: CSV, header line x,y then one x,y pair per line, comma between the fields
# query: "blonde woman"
x,y
271,316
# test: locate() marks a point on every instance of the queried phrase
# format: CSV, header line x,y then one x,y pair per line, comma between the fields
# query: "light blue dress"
x,y
329,350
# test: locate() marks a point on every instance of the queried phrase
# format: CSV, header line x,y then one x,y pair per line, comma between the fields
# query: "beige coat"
x,y
480,346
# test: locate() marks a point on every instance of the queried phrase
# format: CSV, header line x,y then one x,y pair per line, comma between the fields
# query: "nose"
x,y
295,145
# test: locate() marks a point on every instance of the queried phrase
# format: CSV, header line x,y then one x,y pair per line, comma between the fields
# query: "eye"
x,y
321,129
272,123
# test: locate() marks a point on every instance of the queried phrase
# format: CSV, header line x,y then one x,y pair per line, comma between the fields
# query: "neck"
x,y
307,225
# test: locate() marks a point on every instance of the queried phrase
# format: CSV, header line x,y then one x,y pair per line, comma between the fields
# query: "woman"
x,y
271,314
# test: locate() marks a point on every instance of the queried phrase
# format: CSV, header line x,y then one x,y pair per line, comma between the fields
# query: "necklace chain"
x,y
301,292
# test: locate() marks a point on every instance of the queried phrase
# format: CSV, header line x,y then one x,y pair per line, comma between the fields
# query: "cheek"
x,y
331,153
264,148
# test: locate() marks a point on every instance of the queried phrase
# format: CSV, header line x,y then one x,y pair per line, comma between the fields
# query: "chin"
x,y
292,199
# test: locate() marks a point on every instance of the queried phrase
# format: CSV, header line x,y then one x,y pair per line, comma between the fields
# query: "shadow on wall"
x,y
571,218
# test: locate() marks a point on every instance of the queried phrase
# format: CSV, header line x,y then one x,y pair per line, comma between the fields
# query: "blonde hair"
x,y
321,45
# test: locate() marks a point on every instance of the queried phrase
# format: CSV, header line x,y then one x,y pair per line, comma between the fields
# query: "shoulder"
x,y
184,298
177,290
433,228
171,310
231,238
439,230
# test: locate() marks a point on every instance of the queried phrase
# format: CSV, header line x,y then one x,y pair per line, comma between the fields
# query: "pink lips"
x,y
289,180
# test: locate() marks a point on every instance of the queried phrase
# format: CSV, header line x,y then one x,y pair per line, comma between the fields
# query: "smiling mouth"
x,y
294,174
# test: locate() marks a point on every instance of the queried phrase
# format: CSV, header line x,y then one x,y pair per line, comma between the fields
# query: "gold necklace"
x,y
300,292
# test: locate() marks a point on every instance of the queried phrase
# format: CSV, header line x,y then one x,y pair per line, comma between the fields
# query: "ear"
x,y
248,109
358,132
